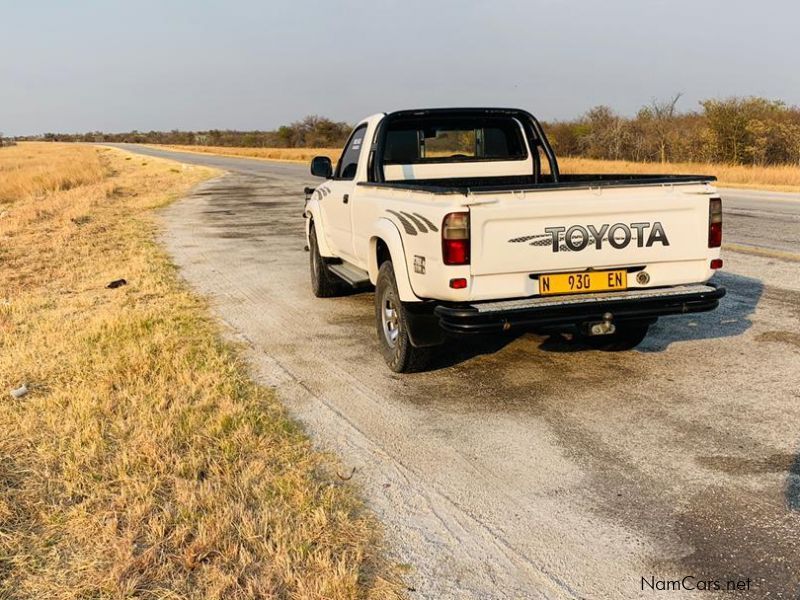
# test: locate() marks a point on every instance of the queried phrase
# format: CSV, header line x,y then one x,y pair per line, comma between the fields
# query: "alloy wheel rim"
x,y
390,319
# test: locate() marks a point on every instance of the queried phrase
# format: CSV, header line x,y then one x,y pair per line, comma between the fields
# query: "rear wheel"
x,y
392,322
627,336
324,284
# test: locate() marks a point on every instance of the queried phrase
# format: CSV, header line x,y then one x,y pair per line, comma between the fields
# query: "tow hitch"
x,y
604,327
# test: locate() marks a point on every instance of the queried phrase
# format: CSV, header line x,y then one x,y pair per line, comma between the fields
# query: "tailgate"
x,y
612,227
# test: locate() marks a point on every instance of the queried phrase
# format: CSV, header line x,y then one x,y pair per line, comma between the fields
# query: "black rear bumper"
x,y
568,311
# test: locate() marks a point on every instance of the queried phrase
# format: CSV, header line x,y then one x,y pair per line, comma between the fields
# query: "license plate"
x,y
579,283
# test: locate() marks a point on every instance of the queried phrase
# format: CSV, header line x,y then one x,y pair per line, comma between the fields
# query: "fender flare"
x,y
387,231
313,213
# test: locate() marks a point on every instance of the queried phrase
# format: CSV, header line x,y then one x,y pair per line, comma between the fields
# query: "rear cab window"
x,y
420,141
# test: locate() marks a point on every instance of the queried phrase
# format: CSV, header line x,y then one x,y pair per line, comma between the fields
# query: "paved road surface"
x,y
768,220
527,467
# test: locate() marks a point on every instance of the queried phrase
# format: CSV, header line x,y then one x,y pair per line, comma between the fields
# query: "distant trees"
x,y
660,116
732,130
315,132
735,130
6,141
312,131
753,131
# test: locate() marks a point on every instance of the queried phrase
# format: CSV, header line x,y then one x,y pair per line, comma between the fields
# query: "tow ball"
x,y
604,327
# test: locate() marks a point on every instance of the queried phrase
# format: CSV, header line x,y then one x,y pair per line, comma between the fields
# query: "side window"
x,y
349,161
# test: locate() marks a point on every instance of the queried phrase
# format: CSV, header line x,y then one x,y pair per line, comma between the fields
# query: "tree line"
x,y
752,130
4,141
311,132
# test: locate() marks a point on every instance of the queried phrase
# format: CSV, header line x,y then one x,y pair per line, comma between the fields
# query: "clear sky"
x,y
114,65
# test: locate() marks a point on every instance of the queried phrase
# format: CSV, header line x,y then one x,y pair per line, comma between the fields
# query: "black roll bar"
x,y
533,132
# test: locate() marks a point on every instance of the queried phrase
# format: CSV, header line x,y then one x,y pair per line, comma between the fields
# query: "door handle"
x,y
346,198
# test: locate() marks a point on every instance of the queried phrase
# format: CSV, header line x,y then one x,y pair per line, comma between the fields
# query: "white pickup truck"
x,y
463,223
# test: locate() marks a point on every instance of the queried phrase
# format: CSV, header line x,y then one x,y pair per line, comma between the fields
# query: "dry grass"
x,y
782,178
288,154
144,462
34,169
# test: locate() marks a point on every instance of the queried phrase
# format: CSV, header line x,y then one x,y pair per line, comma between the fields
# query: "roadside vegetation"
x,y
770,177
736,131
37,169
310,132
290,154
732,131
143,461
748,142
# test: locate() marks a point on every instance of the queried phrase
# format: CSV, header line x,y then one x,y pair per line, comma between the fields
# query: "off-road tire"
x,y
392,323
324,284
628,335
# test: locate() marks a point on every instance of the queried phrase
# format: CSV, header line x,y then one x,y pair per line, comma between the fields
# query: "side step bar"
x,y
351,274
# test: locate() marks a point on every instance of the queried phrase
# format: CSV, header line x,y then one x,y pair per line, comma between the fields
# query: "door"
x,y
336,206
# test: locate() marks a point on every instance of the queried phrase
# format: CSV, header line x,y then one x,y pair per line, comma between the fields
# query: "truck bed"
x,y
466,186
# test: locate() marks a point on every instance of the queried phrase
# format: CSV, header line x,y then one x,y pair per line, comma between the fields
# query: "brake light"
x,y
455,239
715,223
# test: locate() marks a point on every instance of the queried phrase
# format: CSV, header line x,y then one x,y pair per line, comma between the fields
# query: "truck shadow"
x,y
465,348
759,463
793,484
730,319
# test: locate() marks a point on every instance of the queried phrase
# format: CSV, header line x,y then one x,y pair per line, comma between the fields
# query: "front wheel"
x,y
392,322
627,336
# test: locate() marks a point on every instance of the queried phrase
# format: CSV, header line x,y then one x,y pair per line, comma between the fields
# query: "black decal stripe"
x,y
526,238
420,225
427,221
404,222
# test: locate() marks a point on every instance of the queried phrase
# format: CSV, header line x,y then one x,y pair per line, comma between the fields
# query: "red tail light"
x,y
715,223
455,239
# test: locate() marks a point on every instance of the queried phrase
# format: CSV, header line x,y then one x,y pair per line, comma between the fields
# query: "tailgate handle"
x,y
346,198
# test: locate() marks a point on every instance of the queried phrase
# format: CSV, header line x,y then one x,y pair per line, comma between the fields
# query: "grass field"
x,y
776,178
143,462
288,154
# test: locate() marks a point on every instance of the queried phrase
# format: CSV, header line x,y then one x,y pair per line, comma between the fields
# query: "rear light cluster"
x,y
715,223
455,239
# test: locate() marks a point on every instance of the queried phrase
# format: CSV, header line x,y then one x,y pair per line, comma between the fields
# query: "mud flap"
x,y
423,325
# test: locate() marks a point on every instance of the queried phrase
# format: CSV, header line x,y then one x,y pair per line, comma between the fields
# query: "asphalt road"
x,y
754,219
526,466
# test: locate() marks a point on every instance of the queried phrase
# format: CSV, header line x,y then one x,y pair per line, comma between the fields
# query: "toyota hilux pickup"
x,y
462,222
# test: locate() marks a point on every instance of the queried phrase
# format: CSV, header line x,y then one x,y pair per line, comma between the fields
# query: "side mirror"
x,y
321,167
